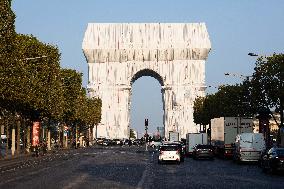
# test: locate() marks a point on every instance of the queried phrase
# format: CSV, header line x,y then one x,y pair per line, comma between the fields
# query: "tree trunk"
x,y
58,137
66,140
18,123
91,135
76,135
28,138
13,142
8,136
48,140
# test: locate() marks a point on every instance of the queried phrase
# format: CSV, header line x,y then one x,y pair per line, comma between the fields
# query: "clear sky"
x,y
235,29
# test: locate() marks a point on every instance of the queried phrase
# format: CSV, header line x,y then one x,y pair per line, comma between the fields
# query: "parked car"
x,y
170,153
137,142
100,141
114,141
203,151
106,142
273,160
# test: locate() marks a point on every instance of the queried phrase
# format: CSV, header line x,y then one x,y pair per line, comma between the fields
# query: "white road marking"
x,y
77,181
142,180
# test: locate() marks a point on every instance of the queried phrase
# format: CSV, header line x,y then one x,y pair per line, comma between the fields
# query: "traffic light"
x,y
146,124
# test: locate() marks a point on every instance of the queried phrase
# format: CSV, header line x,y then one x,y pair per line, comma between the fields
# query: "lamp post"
x,y
252,54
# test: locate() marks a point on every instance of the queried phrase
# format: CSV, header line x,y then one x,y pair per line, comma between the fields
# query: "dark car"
x,y
203,151
106,142
273,160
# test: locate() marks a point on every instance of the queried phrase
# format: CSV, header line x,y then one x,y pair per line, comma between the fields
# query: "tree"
x,y
72,84
132,134
7,29
7,37
267,84
73,96
40,88
229,101
198,110
93,112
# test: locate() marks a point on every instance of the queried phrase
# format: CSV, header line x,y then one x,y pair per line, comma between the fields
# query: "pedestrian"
x,y
36,150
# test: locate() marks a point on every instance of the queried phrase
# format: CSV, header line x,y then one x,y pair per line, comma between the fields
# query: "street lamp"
x,y
238,75
252,54
37,57
33,58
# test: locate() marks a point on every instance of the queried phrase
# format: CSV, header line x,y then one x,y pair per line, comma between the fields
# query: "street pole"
x,y
146,129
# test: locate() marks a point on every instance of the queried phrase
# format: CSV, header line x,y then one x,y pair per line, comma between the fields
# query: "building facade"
x,y
119,53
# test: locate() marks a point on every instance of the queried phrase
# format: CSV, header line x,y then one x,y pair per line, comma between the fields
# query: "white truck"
x,y
173,136
192,139
224,131
249,147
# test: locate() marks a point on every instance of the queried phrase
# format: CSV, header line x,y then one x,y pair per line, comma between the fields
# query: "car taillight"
x,y
161,152
177,152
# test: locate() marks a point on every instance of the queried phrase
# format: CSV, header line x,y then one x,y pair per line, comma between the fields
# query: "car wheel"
x,y
271,169
263,168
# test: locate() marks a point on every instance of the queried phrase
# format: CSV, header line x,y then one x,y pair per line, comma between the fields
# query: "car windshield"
x,y
203,147
169,148
280,152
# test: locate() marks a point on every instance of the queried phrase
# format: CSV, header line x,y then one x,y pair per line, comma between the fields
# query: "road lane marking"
x,y
77,181
142,180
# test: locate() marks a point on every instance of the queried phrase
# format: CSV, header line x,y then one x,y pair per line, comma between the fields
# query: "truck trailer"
x,y
173,136
224,131
193,139
249,147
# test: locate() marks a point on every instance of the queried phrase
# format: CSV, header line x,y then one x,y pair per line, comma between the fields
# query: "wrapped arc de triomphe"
x,y
120,53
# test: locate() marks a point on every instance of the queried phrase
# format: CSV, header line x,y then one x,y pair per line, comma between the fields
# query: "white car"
x,y
155,144
169,153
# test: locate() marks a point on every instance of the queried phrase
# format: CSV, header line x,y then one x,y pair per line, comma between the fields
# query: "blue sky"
x,y
235,29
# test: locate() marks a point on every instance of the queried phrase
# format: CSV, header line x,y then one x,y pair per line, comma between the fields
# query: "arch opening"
x,y
147,72
147,84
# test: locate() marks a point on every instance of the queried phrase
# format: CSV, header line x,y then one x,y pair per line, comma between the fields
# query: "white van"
x,y
249,146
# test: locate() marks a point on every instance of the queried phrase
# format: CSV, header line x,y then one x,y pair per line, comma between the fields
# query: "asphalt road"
x,y
130,167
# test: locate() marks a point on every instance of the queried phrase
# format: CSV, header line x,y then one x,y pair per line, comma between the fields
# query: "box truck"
x,y
192,139
249,147
173,136
224,131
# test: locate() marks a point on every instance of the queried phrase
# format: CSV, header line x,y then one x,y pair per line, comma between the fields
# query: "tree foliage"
x,y
34,87
72,92
7,29
132,134
264,91
229,101
7,37
267,83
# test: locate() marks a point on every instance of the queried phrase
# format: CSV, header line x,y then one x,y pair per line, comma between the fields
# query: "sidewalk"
x,y
25,157
10,160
